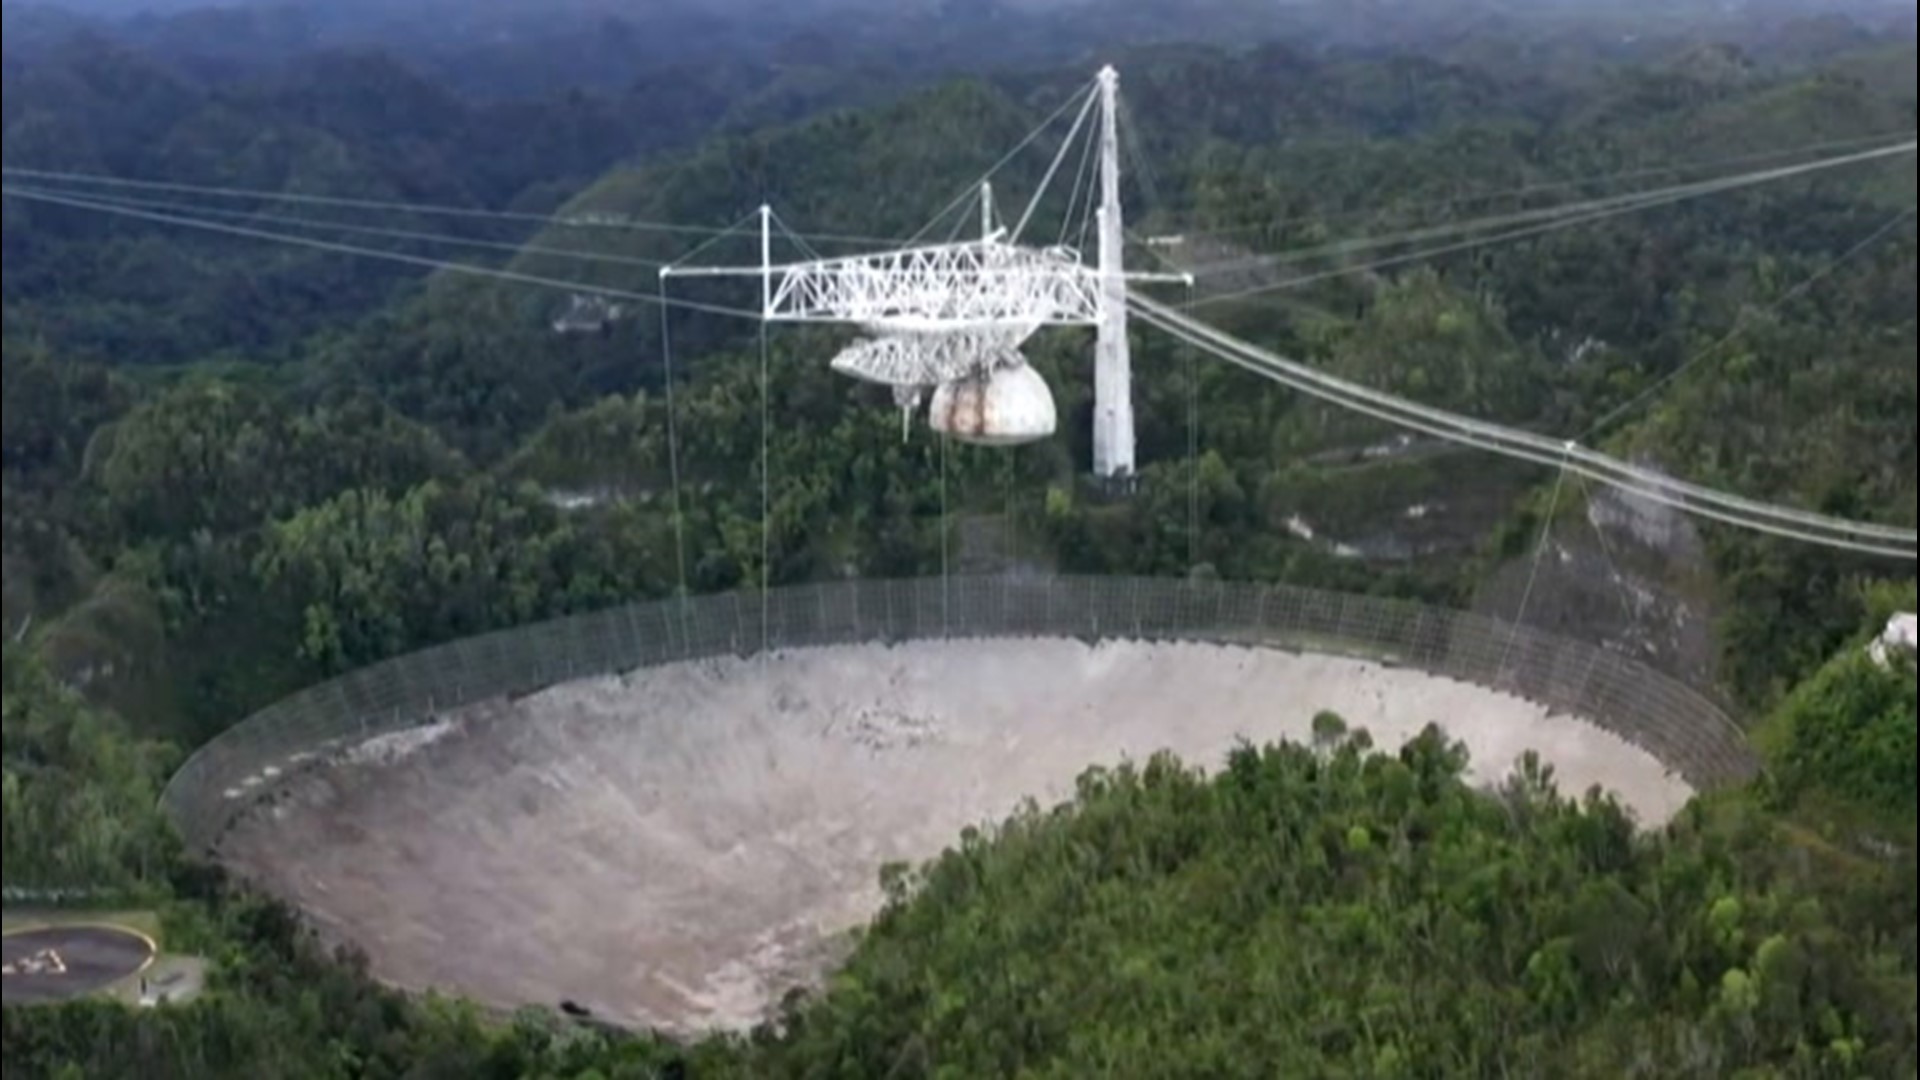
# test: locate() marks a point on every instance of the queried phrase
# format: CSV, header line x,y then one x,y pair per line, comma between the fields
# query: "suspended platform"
x,y
948,320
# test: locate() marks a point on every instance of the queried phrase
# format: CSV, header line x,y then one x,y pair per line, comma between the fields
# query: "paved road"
x,y
67,961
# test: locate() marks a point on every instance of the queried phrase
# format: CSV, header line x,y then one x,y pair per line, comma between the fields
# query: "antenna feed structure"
x,y
944,322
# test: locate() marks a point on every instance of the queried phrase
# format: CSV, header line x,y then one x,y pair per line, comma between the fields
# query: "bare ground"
x,y
677,847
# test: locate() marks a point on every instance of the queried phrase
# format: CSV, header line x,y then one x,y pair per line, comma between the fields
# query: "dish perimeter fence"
x,y
1675,723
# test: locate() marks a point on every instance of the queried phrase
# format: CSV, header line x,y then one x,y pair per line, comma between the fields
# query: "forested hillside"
x,y
1324,910
341,123
235,467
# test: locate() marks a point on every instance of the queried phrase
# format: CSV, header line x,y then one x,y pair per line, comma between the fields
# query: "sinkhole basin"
x,y
678,846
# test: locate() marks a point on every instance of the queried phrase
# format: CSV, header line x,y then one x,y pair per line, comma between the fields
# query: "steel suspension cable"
x,y
1663,199
993,169
1693,498
586,219
1053,167
337,248
1740,324
1622,202
1591,180
357,230
1545,449
1425,254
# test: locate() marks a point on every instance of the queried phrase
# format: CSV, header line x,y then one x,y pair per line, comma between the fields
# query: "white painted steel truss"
x,y
939,313
977,285
921,359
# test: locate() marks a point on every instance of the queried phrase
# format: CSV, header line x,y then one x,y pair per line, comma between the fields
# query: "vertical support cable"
x,y
766,488
673,452
945,581
766,428
1614,573
1533,575
766,518
1193,450
1010,545
673,435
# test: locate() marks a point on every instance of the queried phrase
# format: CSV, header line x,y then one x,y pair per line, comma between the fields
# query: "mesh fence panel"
x,y
1651,710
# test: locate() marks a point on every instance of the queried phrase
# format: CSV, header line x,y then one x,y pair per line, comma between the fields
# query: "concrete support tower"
x,y
1112,362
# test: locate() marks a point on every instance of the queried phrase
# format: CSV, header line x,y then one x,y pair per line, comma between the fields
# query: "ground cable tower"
x,y
1112,361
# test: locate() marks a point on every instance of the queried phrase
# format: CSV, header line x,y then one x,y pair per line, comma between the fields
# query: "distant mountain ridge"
x,y
505,48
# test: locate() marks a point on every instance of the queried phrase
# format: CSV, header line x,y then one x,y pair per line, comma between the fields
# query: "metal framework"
x,y
939,313
982,284
992,283
921,359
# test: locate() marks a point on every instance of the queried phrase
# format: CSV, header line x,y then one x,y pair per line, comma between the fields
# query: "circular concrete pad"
x,y
679,847
60,962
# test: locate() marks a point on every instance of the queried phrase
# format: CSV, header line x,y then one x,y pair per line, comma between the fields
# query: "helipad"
x,y
56,963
